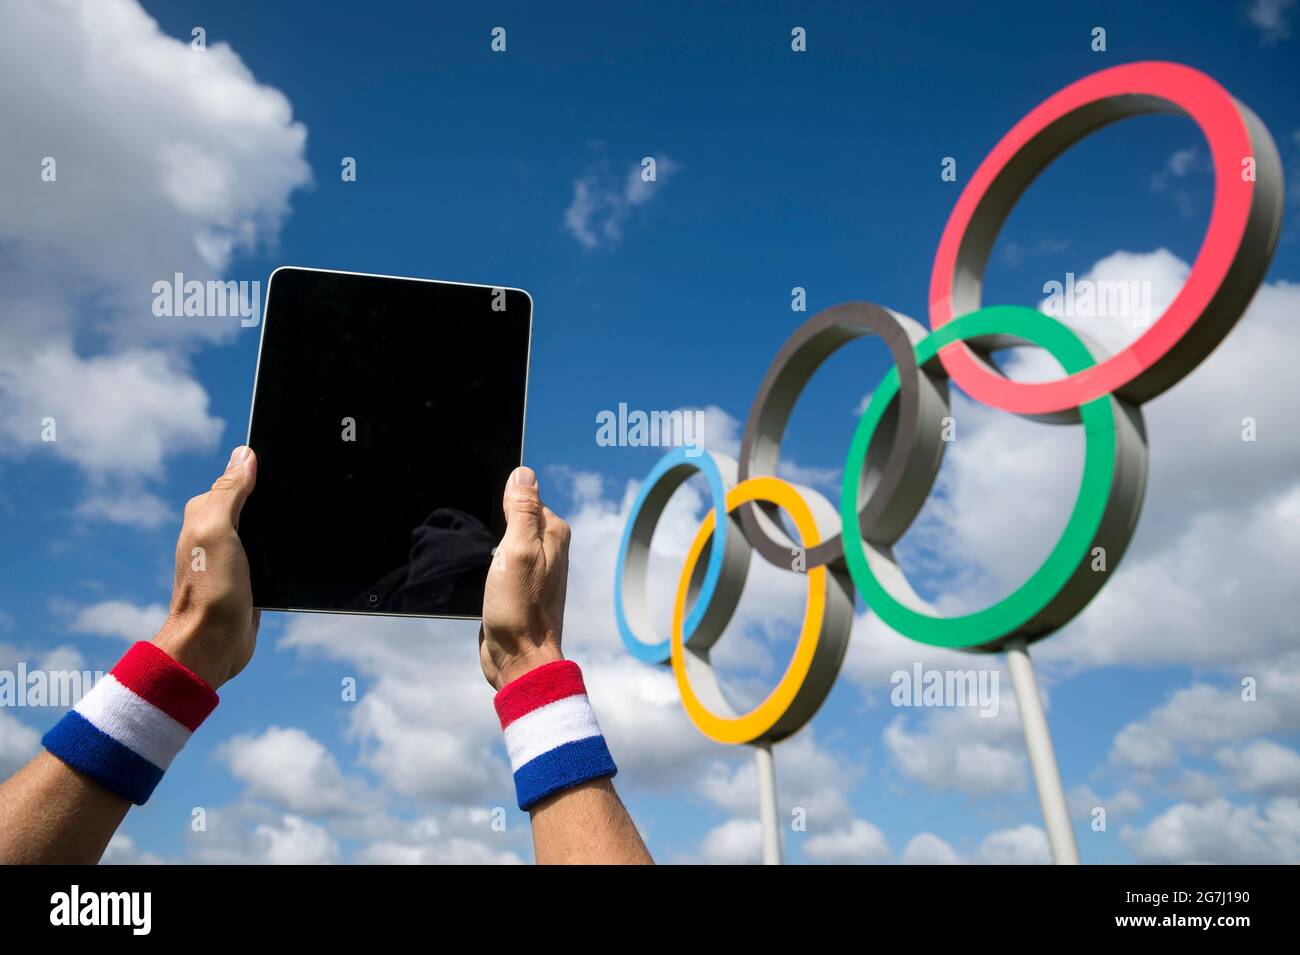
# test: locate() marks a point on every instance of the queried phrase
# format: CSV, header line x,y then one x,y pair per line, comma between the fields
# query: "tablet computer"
x,y
387,415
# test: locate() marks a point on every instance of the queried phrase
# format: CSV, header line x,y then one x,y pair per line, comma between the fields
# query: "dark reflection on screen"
x,y
450,554
387,416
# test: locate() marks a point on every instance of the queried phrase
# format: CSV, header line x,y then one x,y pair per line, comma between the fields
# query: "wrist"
x,y
127,730
551,734
524,662
181,642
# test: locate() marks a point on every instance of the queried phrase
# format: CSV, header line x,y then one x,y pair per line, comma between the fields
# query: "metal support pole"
x,y
767,803
1038,740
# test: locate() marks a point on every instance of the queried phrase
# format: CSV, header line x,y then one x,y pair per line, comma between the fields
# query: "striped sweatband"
x,y
127,730
551,732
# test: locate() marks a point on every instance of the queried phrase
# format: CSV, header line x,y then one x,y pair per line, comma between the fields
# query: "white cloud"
x,y
955,749
1083,800
254,835
454,852
424,715
928,849
1023,845
582,210
18,743
1272,18
722,433
1138,747
859,842
809,778
121,619
164,153
290,767
735,842
458,837
122,850
1263,766
1202,715
136,508
295,841
61,657
168,160
115,416
602,202
1219,832
947,763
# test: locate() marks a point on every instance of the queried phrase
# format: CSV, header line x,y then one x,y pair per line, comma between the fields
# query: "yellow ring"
x,y
754,725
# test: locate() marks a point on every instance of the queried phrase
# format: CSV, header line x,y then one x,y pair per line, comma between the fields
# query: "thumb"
x,y
523,506
231,490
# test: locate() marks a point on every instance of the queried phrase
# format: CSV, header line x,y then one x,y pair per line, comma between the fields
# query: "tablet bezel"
x,y
252,407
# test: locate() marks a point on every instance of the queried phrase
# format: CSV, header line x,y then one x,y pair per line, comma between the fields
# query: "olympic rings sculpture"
x,y
898,445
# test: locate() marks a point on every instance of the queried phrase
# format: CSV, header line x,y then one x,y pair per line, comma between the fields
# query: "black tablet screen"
x,y
387,416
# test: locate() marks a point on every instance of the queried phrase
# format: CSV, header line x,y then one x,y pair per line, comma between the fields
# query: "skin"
x,y
51,813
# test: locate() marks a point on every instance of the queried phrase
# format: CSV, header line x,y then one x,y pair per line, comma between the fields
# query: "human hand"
x,y
523,603
211,626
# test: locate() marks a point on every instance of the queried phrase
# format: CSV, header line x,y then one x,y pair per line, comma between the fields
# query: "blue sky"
x,y
776,170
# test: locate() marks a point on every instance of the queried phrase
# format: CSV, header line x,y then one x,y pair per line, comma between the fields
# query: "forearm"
x,y
563,767
108,751
586,825
50,813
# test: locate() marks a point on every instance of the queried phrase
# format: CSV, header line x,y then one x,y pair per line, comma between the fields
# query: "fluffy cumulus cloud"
x,y
1025,844
928,849
1202,717
813,787
114,416
199,167
197,170
1262,766
858,842
18,743
291,768
1084,801
251,833
812,782
955,753
122,850
1220,832
735,842
423,718
121,619
459,837
978,751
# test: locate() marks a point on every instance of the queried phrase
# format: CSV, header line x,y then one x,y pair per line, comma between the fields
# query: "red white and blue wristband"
x,y
127,730
551,732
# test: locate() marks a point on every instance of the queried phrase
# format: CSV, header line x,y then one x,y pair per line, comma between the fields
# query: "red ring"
x,y
1220,119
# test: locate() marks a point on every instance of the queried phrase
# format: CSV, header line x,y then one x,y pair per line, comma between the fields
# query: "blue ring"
x,y
703,462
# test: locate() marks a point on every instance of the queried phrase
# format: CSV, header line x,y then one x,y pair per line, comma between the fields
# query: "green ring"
x,y
1015,614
